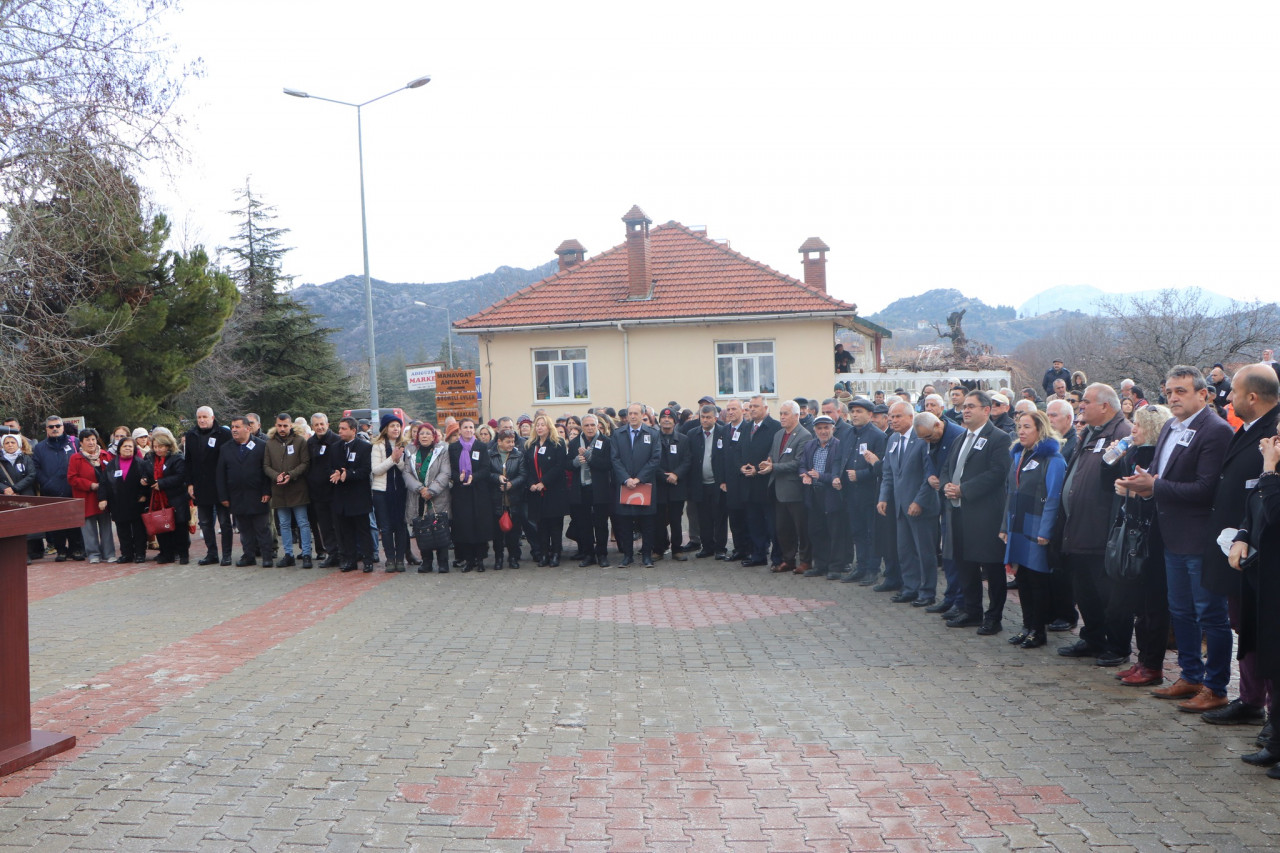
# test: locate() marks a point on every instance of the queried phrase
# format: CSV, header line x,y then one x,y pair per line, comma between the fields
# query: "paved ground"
x,y
690,707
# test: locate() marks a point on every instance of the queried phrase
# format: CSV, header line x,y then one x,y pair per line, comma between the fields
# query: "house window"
x,y
560,375
745,367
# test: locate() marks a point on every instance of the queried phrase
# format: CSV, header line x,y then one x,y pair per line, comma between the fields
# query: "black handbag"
x,y
1128,546
431,528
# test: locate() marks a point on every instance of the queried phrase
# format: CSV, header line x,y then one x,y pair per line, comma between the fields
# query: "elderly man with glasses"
x,y
52,456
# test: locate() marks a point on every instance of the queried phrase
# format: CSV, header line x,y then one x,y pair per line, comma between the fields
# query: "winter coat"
x,y
982,499
640,462
673,458
473,521
318,449
601,490
173,482
438,478
127,498
821,496
242,483
546,464
83,476
203,447
352,496
20,475
52,457
513,470
288,456
1034,487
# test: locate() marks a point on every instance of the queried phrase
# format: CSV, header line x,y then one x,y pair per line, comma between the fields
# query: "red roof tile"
x,y
694,277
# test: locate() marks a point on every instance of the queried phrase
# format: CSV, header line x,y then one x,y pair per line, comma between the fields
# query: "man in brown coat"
x,y
286,464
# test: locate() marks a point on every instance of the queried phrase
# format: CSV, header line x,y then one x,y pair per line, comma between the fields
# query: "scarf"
x,y
92,457
159,500
464,463
12,457
125,465
423,460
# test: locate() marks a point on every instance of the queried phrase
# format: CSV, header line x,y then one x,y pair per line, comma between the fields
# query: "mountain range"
x,y
1085,298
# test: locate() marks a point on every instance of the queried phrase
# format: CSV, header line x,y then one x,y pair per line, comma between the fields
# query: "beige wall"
x,y
666,363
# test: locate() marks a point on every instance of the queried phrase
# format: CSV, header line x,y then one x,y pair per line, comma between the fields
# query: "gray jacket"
x,y
438,480
785,477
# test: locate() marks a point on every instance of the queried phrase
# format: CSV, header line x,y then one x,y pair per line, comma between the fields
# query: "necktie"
x,y
633,437
964,454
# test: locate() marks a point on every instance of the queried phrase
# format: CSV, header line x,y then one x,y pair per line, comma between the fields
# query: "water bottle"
x,y
1117,450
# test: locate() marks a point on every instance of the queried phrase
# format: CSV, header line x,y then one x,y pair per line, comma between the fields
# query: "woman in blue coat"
x,y
1034,495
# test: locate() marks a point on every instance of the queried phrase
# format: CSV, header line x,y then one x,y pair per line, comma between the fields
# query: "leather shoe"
x,y
1273,773
681,558
306,562
924,602
885,586
852,577
902,597
329,562
1234,713
286,561
1060,625
1125,673
1142,677
246,561
208,560
1205,700
953,613
647,562
1180,689
226,561
735,555
266,563
349,567
988,628
604,563
753,562
1111,659
784,566
801,568
553,563
868,580
1034,640
1264,736
964,621
940,607
1017,638
815,573
586,561
704,553
1078,649
625,561
1264,757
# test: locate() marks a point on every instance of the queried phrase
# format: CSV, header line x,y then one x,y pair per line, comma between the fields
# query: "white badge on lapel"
x,y
213,442
1185,438
719,444
646,439
288,451
597,444
475,454
1097,448
351,457
735,436
323,449
979,444
674,450
1031,466
251,444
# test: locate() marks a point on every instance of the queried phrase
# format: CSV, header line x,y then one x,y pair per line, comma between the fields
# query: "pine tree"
x,y
284,358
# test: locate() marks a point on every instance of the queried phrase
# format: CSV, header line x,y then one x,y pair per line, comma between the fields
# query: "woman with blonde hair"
x,y
1034,494
546,459
165,473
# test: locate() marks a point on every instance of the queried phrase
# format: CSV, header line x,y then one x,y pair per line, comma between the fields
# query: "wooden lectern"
x,y
20,746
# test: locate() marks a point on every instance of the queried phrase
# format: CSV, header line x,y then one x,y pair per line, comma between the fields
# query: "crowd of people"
x,y
1140,523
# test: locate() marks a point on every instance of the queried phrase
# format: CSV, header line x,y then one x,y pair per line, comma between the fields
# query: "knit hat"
x,y
524,419
139,432
386,419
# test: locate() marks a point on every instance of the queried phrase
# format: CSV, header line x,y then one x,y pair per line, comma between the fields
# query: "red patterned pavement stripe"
x,y
722,790
681,609
45,580
123,695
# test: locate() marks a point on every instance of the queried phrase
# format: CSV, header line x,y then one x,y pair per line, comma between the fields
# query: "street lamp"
x,y
364,228
448,313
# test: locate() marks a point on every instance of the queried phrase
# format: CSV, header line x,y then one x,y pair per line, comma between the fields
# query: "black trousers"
x,y
793,532
1034,593
973,573
593,529
550,536
711,517
323,533
824,537
886,539
255,535
1142,603
355,539
625,525
740,530
508,542
1092,589
669,527
133,538
1062,600
206,515
862,531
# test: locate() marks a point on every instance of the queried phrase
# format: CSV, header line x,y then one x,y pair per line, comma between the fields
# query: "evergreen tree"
x,y
284,358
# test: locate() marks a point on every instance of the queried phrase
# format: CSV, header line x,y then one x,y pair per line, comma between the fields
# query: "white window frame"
x,y
744,359
568,363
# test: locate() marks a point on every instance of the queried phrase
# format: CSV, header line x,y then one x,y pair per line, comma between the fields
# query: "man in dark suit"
x,y
1087,494
706,473
905,491
761,524
1061,418
350,470
941,436
736,488
782,467
1254,394
592,461
820,470
672,488
864,445
841,540
635,452
245,490
203,447
973,483
321,443
1183,477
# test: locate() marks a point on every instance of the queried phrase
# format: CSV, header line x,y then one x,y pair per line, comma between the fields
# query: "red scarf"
x,y
159,500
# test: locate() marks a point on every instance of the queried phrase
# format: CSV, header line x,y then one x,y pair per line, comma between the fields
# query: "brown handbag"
x,y
158,521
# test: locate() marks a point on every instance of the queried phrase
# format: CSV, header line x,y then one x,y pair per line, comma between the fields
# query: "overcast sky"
x,y
998,148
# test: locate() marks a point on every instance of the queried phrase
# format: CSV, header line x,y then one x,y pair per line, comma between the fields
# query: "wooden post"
x,y
20,745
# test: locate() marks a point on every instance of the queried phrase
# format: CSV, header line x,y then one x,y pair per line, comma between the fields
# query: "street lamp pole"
x,y
448,313
364,227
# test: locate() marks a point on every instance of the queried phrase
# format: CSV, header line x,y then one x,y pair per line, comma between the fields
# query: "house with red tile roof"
x,y
668,314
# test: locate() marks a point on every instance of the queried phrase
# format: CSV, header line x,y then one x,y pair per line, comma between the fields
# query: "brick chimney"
x,y
571,253
815,269
639,276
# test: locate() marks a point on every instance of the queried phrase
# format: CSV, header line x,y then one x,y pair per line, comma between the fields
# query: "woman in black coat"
x,y
18,477
127,500
166,474
471,500
545,460
507,466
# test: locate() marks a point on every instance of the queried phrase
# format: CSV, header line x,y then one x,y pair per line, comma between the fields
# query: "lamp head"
x,y
419,83
296,94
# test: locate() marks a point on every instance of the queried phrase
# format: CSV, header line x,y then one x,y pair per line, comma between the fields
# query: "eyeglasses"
x,y
53,426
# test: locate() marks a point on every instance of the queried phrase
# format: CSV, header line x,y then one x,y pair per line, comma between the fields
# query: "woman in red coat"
x,y
85,474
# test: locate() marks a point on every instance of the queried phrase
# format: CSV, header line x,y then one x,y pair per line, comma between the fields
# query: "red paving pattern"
x,y
45,580
721,790
681,609
123,695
